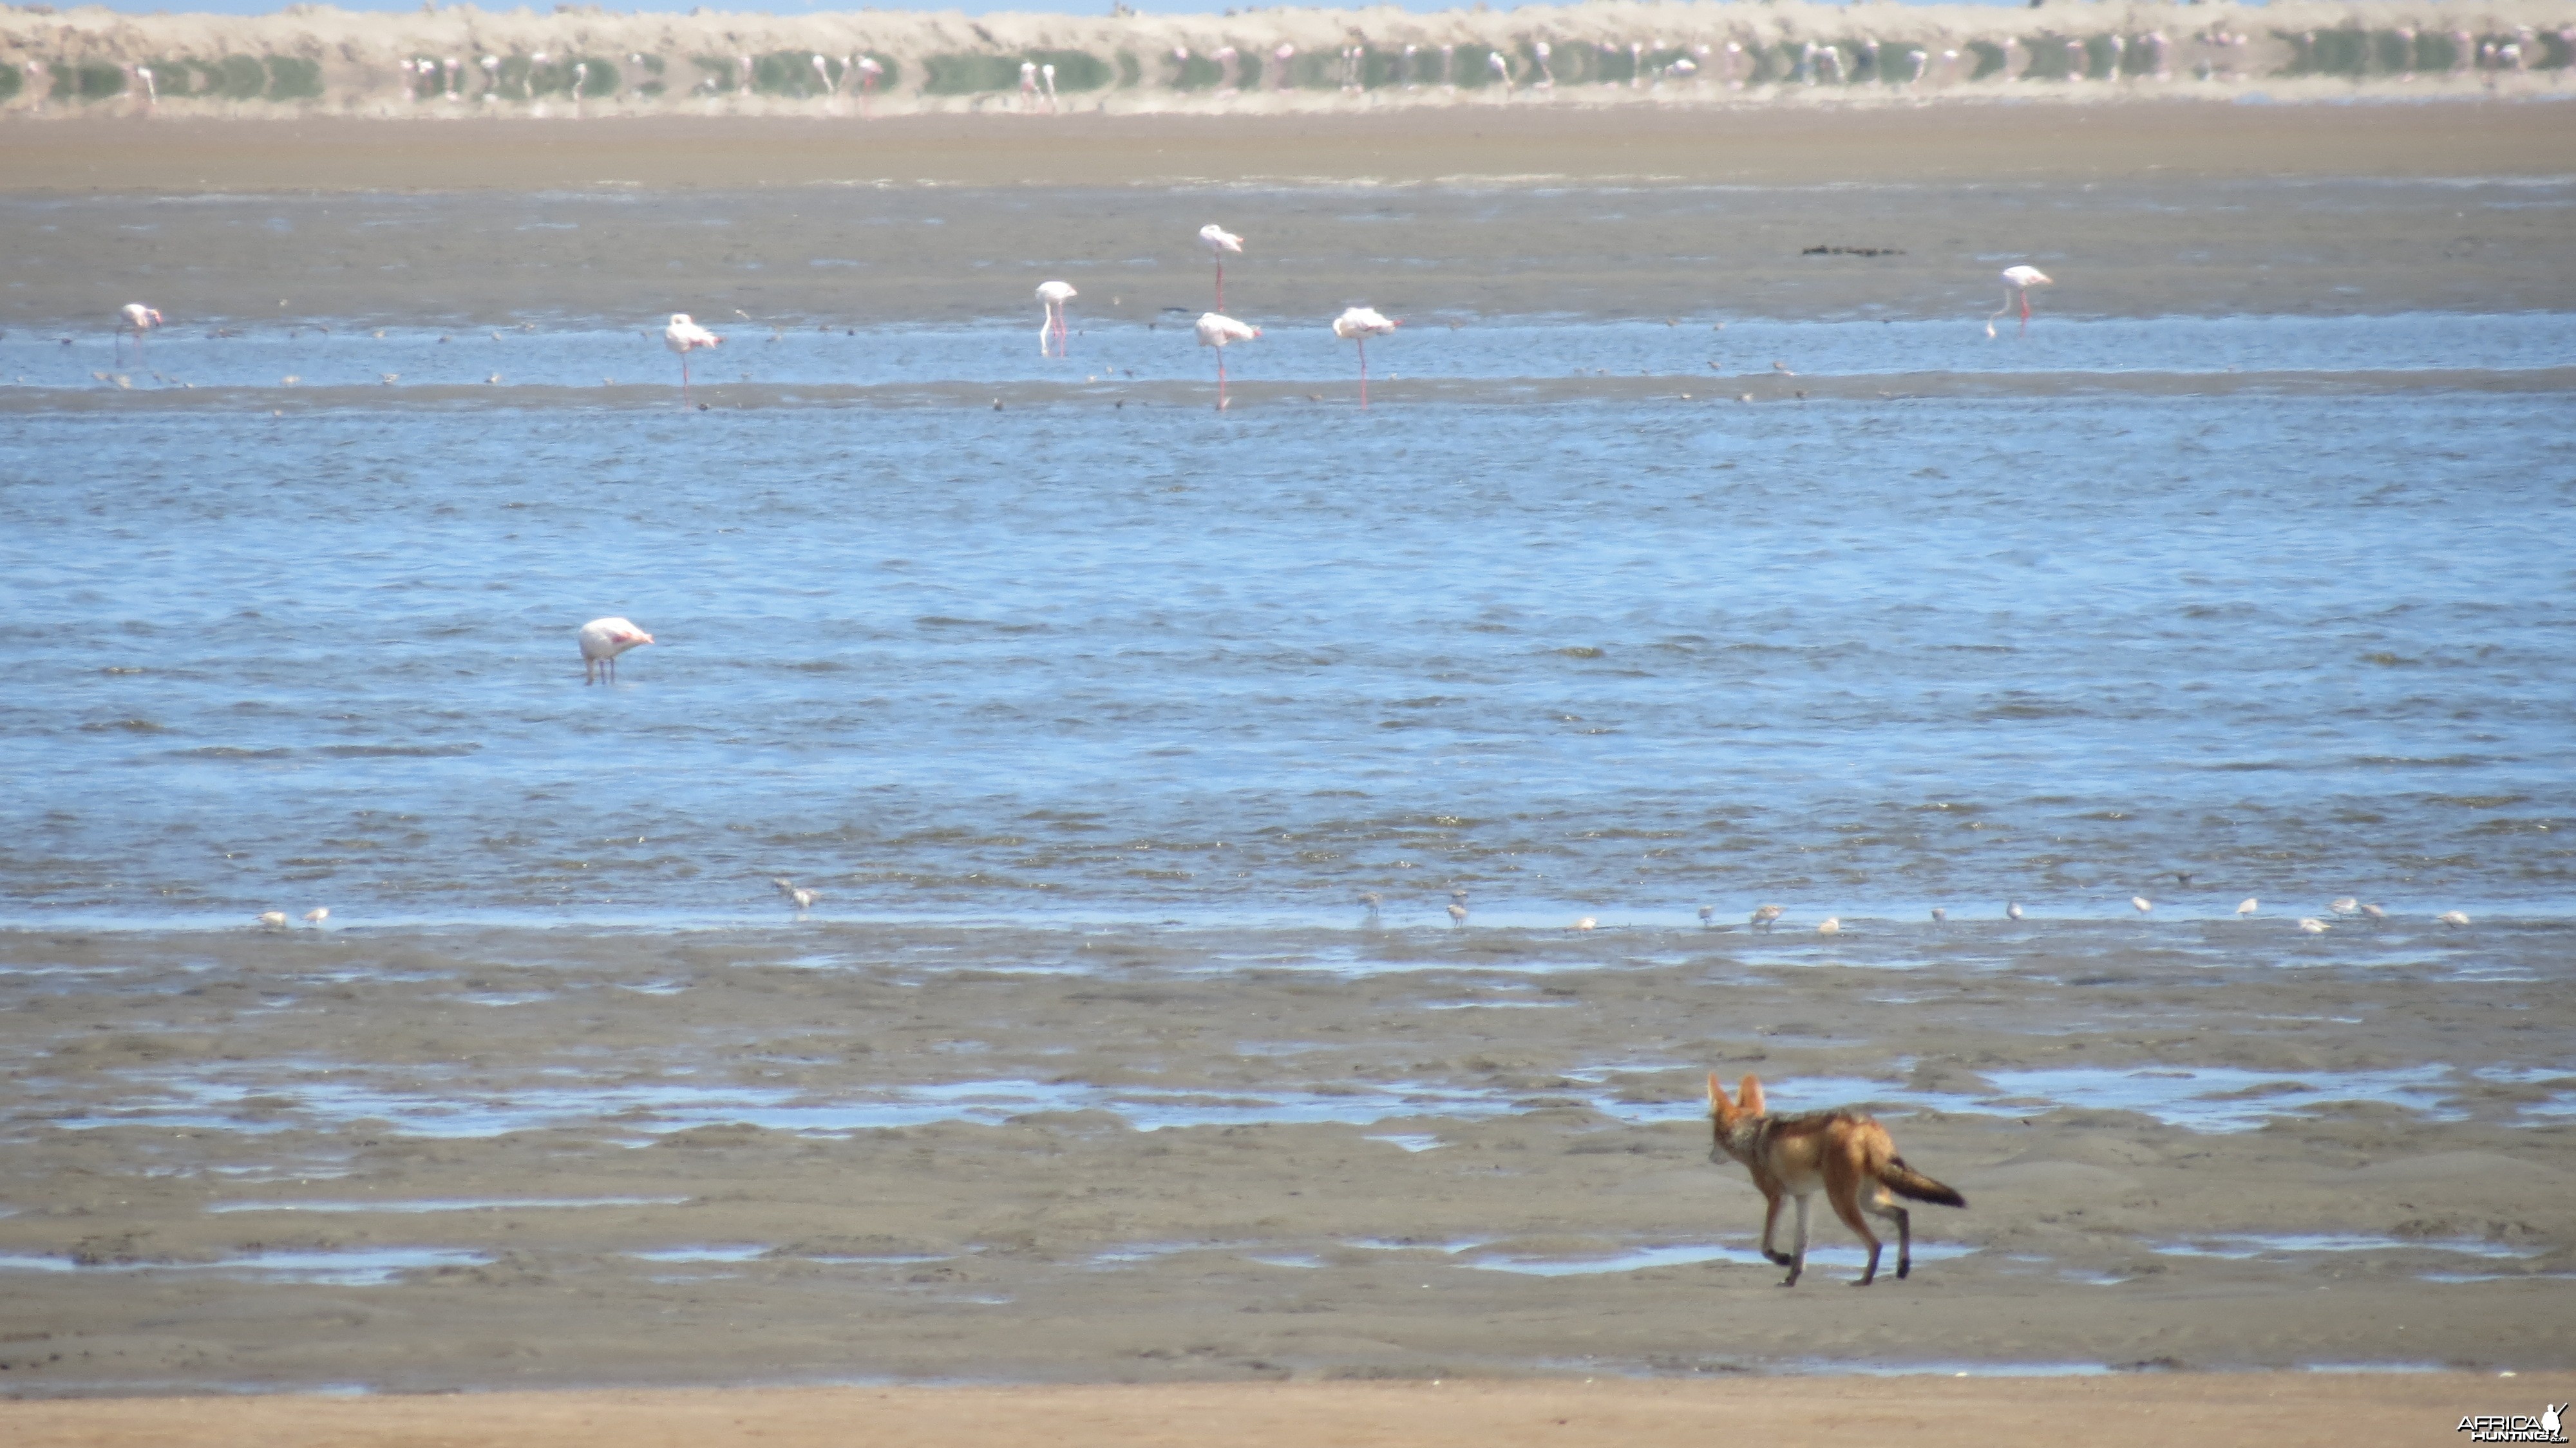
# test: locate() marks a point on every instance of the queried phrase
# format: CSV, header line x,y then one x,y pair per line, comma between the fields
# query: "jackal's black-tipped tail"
x,y
1905,1181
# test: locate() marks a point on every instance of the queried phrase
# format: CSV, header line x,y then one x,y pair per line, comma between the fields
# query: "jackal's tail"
x,y
1905,1181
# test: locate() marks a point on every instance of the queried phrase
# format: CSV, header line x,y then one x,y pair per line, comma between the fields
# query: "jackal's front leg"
x,y
1771,1225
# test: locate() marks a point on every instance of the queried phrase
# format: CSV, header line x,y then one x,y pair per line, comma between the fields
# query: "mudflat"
x,y
1959,142
2142,210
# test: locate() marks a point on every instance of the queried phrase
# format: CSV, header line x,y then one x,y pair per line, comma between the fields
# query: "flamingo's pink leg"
x,y
1220,284
1363,374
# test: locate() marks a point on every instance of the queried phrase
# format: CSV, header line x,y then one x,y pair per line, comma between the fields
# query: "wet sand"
x,y
2298,1411
757,1156
2141,211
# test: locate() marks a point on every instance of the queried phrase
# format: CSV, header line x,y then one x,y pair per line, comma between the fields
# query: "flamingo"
x,y
2018,280
1052,296
684,336
1358,325
1220,331
871,70
136,318
602,640
1219,241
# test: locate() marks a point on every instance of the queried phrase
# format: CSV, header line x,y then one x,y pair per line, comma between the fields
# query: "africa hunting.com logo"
x,y
2516,1427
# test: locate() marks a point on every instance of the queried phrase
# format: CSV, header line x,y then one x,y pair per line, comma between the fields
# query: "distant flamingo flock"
x,y
1214,328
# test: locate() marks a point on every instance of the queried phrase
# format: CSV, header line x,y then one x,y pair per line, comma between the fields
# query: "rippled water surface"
x,y
1148,661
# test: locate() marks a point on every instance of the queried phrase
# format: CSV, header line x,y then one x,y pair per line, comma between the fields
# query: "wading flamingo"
x,y
1358,325
1220,241
1217,330
2018,280
136,318
602,640
1053,296
684,336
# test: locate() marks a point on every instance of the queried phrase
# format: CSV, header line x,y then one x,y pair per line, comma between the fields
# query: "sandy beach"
x,y
2302,1411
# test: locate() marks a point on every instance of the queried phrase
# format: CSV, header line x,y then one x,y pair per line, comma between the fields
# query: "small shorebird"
x,y
2453,918
684,337
602,640
1707,916
1829,926
1457,913
1586,923
272,920
1763,917
315,916
1217,330
2018,280
1939,914
2345,905
1219,241
2373,912
1358,324
797,896
2313,925
1370,900
2141,904
138,319
2249,906
2012,910
1052,296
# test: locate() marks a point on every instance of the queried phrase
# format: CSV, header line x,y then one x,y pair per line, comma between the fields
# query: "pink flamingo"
x,y
602,640
1358,325
136,318
2018,280
870,72
1053,296
1220,331
684,337
1219,242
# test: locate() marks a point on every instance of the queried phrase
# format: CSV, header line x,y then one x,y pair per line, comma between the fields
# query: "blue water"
x,y
1293,349
2039,642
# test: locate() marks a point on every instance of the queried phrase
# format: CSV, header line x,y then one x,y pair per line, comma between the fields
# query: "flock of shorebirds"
x,y
1763,918
683,335
1767,917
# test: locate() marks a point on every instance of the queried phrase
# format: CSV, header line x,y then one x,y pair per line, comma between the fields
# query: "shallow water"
x,y
1858,655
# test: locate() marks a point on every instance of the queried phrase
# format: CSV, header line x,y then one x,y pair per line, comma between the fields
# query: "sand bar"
x,y
2151,1411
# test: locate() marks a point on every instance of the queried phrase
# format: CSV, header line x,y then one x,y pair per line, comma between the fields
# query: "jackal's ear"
x,y
1749,1096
